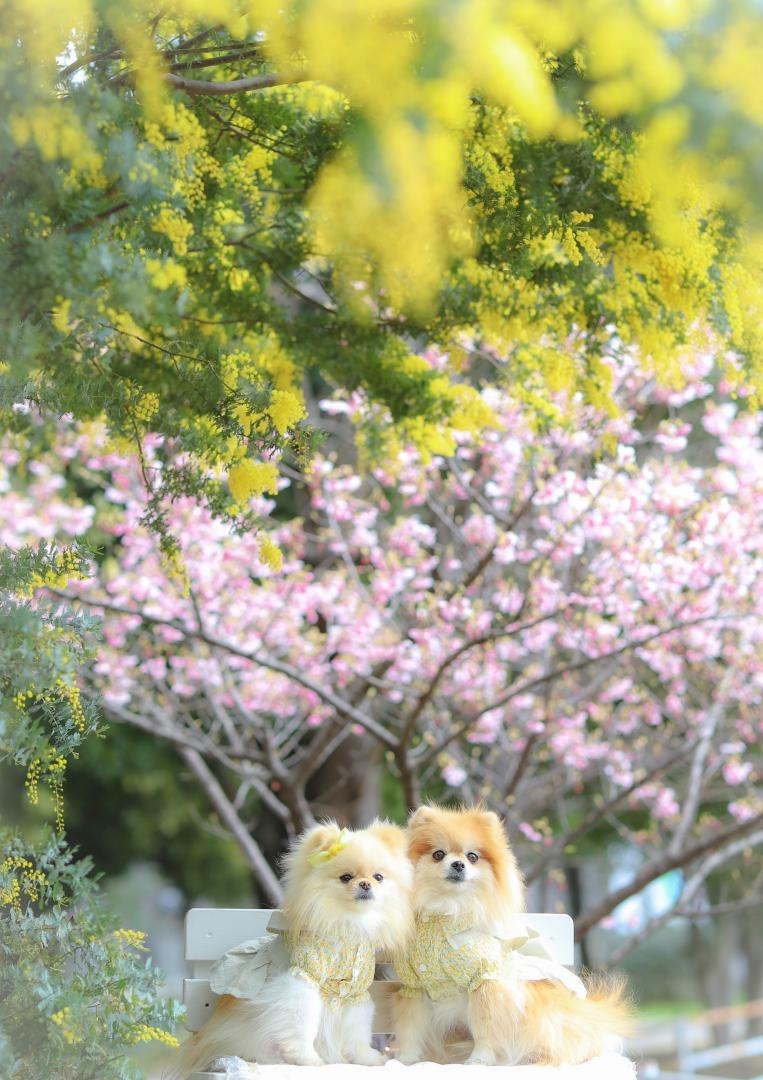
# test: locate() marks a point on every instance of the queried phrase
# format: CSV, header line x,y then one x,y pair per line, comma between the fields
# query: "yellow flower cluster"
x,y
22,697
51,768
146,1033
145,407
238,278
56,134
133,939
250,478
62,1019
468,412
125,325
26,880
175,130
55,778
489,151
70,693
32,780
270,553
250,171
60,315
166,273
175,226
238,365
285,410
66,565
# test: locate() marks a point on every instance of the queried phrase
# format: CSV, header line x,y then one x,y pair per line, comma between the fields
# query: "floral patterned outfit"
x,y
446,956
341,970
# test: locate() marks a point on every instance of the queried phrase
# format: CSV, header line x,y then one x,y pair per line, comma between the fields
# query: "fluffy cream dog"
x,y
302,998
461,974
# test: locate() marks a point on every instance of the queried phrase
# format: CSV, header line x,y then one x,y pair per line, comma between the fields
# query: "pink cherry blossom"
x,y
537,622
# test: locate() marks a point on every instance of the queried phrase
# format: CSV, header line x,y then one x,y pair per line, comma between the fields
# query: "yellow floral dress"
x,y
446,956
341,970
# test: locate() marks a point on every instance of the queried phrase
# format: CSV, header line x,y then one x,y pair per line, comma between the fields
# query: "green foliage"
x,y
175,260
156,816
75,994
42,647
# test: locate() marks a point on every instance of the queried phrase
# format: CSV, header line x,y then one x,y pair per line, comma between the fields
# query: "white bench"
x,y
210,932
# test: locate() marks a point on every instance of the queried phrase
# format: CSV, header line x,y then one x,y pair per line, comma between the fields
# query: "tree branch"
x,y
579,665
661,866
596,815
343,707
197,87
688,893
697,772
450,659
224,808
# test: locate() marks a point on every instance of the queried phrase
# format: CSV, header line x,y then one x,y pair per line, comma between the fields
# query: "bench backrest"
x,y
210,932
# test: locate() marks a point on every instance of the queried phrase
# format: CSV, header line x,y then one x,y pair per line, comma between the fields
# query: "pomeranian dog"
x,y
462,972
302,997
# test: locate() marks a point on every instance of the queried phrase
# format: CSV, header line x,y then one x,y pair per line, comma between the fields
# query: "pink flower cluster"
x,y
553,617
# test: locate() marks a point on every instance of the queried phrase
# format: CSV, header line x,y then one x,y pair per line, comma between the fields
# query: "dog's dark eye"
x,y
438,855
378,877
472,856
345,878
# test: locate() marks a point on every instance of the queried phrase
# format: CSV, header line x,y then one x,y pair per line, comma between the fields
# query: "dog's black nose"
x,y
364,885
458,866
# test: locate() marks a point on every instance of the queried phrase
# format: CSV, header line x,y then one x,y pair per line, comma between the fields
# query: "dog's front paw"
x,y
366,1055
480,1057
408,1059
233,1068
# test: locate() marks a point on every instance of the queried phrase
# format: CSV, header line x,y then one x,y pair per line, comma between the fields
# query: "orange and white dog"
x,y
461,974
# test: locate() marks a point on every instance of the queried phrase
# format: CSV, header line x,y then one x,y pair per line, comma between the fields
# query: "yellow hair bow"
x,y
320,857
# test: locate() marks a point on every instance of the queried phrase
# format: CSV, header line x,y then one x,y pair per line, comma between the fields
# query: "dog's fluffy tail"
x,y
567,1030
214,1040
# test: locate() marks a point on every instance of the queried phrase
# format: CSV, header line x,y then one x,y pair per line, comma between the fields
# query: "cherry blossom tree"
x,y
565,623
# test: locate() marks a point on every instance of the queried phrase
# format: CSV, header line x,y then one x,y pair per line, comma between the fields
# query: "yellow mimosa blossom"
x,y
250,478
285,410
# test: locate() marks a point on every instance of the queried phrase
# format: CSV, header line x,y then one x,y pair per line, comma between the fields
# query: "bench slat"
x,y
210,932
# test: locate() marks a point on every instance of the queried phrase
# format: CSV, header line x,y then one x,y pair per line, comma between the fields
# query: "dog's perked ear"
x,y
319,837
501,856
492,822
422,816
391,835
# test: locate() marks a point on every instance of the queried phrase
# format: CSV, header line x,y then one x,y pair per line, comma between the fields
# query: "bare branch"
x,y
225,809
715,841
196,87
697,773
689,891
600,812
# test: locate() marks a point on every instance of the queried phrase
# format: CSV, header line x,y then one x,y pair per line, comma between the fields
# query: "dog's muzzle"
x,y
364,891
456,872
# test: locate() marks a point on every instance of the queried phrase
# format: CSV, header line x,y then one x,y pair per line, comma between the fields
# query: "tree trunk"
x,y
574,887
713,956
751,930
347,787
